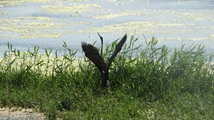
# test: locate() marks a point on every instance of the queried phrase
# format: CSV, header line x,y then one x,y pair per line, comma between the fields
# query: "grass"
x,y
147,82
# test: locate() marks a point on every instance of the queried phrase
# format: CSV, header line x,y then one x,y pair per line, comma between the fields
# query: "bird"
x,y
93,55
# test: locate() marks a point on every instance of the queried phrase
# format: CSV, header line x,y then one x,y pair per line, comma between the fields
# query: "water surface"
x,y
47,23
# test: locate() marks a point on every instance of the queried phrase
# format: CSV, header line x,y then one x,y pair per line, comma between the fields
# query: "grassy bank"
x,y
147,82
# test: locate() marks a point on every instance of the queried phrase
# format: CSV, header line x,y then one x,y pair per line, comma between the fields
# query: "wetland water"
x,y
47,23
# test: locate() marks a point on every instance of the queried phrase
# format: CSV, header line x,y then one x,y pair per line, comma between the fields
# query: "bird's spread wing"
x,y
101,39
92,54
117,50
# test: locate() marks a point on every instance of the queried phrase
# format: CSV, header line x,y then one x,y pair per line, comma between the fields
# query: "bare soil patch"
x,y
20,114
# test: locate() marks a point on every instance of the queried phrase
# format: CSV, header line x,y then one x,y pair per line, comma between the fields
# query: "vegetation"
x,y
147,82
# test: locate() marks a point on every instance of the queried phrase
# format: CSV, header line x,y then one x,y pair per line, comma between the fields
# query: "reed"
x,y
147,82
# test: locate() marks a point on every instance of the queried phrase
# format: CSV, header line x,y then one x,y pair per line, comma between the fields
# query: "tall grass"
x,y
147,82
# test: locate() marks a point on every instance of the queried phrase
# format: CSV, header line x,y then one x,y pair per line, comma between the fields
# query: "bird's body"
x,y
93,54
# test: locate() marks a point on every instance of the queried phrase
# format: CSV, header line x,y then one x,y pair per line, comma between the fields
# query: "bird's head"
x,y
105,82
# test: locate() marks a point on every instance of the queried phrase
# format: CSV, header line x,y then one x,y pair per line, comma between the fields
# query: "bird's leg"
x,y
109,91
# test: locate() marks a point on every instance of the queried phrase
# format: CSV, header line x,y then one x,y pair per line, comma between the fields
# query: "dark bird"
x,y
92,54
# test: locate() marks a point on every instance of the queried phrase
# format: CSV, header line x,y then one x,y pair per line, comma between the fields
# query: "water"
x,y
47,24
